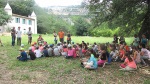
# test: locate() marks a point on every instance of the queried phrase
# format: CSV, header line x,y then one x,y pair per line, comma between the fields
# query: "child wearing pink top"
x,y
41,47
75,49
65,50
129,63
69,53
33,47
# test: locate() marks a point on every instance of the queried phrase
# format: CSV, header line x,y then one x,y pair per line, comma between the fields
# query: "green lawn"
x,y
57,70
76,39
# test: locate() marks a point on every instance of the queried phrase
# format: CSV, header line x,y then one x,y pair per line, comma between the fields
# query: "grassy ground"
x,y
57,70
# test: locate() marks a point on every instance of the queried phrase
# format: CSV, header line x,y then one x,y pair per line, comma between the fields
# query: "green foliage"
x,y
81,26
125,14
47,23
22,7
4,17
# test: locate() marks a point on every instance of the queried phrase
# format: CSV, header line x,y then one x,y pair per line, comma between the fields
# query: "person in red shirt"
x,y
126,47
61,36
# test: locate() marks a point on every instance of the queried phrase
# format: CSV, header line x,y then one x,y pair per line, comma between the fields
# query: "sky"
x,y
46,3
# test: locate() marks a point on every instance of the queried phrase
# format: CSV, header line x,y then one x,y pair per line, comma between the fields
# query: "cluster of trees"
x,y
108,17
130,16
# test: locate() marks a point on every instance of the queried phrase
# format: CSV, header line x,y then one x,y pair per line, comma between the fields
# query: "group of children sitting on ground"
x,y
91,56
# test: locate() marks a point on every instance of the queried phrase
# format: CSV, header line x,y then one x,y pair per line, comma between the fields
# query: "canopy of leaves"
x,y
81,26
4,17
21,7
125,14
47,23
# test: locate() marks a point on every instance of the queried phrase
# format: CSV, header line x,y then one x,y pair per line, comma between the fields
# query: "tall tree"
x,y
4,17
129,15
81,26
21,7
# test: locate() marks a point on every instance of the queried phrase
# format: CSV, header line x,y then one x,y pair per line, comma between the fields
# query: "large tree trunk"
x,y
146,22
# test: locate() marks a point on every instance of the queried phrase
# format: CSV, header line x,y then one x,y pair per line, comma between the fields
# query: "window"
x,y
23,21
30,22
17,20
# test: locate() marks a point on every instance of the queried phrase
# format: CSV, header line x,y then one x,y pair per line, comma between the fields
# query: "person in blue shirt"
x,y
23,55
144,40
45,52
89,62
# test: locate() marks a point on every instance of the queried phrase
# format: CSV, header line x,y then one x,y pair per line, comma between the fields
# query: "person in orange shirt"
x,y
61,36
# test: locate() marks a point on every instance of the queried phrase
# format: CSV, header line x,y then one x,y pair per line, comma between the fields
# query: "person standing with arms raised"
x,y
19,33
61,36
29,33
13,35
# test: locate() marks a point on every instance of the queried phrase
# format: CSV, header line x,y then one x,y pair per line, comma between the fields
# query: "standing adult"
x,y
13,35
29,33
55,37
68,38
19,33
61,36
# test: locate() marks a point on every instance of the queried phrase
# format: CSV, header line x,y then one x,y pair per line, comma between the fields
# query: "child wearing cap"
x,y
31,54
23,55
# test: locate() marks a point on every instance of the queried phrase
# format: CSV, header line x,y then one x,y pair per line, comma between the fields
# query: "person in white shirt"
x,y
38,53
56,51
19,33
55,37
29,33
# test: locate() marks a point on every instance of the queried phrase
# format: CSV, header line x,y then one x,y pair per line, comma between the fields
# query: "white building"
x,y
21,21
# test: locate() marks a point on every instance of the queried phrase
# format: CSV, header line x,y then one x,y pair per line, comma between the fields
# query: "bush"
x,y
104,32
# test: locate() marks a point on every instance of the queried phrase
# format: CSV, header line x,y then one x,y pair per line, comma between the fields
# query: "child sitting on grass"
x,y
33,47
113,53
23,55
121,54
70,52
45,52
129,63
75,49
37,52
102,57
31,54
64,51
56,51
89,62
41,47
51,50
136,54
80,54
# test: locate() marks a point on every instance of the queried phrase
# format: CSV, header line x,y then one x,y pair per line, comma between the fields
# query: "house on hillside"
x,y
23,22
